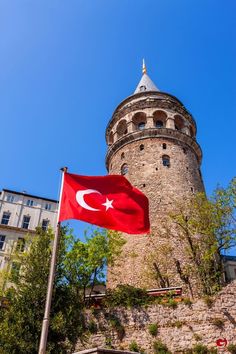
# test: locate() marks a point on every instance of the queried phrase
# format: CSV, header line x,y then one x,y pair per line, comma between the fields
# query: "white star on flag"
x,y
108,204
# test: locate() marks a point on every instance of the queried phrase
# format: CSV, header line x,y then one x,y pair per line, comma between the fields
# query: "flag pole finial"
x,y
64,169
144,70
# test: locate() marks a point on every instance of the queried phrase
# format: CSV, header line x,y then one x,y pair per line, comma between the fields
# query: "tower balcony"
x,y
166,133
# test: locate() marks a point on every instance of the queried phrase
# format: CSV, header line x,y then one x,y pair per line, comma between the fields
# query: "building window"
x,y
184,151
10,198
159,124
122,155
48,206
5,218
30,202
166,161
124,169
20,244
2,241
26,221
45,224
141,147
141,125
164,146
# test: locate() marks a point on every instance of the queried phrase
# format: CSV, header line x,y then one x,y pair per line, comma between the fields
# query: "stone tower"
x,y
151,140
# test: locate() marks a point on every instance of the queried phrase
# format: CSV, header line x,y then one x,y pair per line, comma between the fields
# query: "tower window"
x,y
5,218
141,125
176,127
184,151
142,88
166,161
159,124
141,147
122,156
164,146
124,169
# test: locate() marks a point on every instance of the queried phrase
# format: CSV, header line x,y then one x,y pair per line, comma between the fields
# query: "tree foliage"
x,y
80,264
203,228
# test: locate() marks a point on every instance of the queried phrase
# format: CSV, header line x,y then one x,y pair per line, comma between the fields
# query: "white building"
x,y
20,214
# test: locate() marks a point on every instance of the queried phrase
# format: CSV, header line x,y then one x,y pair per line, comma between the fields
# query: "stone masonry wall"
x,y
163,186
178,328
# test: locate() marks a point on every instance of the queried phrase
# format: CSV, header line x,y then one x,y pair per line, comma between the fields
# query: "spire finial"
x,y
144,67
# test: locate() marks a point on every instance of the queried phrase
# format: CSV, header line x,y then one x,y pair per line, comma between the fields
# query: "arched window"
x,y
111,138
192,133
164,146
124,169
159,118
141,125
179,122
166,160
122,155
139,119
141,147
121,128
159,124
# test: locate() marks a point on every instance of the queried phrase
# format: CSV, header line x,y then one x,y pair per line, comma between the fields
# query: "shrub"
x,y
232,348
197,337
171,303
119,328
92,327
208,300
127,296
200,349
177,324
153,329
212,351
187,301
160,348
109,342
218,322
133,347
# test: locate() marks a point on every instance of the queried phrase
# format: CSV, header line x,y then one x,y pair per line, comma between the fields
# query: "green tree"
x,y
20,323
86,262
205,227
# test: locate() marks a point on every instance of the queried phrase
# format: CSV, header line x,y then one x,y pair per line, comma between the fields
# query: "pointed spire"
x,y
144,67
145,83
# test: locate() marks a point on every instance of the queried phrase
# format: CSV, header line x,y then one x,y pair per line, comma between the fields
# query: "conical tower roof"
x,y
145,84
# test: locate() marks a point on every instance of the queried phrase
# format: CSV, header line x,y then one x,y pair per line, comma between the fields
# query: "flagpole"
x,y
45,324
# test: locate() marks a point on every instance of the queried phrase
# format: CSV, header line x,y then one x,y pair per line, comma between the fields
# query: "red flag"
x,y
107,201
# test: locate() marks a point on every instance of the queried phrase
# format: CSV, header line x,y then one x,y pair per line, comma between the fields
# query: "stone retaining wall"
x,y
179,328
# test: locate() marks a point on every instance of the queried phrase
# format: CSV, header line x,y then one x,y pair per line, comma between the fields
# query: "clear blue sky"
x,y
65,66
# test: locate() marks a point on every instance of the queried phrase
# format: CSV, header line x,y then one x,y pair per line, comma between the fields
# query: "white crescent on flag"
x,y
80,199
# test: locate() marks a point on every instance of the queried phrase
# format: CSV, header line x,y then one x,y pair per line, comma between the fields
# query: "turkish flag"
x,y
107,201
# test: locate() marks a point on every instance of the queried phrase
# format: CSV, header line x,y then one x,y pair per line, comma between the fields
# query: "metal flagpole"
x,y
45,324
